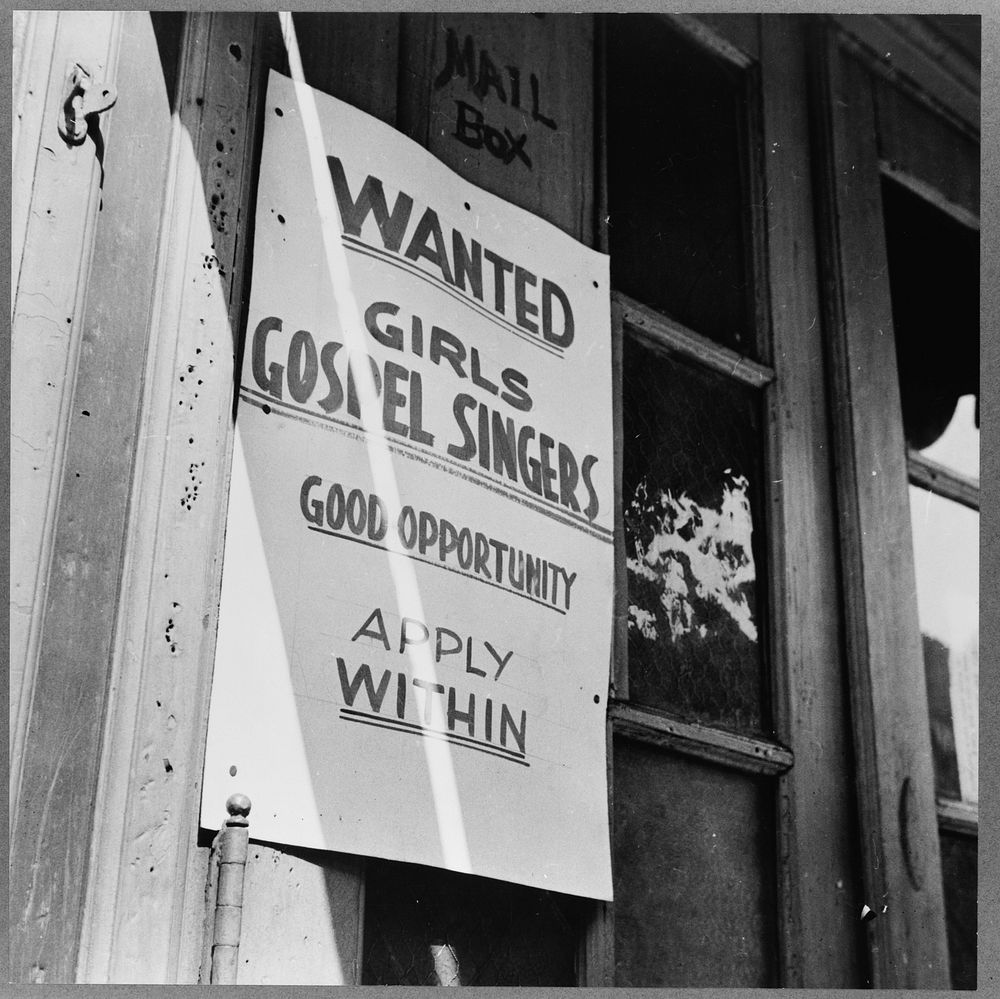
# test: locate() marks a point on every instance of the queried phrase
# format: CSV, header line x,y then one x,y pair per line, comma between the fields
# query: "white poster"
x,y
415,625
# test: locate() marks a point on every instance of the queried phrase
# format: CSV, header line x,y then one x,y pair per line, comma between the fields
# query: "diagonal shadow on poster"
x,y
415,625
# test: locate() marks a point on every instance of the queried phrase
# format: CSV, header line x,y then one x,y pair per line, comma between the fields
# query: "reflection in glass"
x,y
946,554
934,282
958,446
691,466
695,556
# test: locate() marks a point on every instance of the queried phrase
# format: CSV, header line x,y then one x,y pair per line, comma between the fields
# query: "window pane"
x,y
958,446
946,554
959,869
934,282
432,927
694,873
691,473
676,180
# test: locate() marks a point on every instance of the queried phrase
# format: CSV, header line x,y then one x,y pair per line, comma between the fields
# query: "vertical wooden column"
x,y
54,211
80,349
819,881
895,785
145,906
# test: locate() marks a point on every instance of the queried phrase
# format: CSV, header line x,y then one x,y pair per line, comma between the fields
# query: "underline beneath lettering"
x,y
260,399
409,728
364,248
438,565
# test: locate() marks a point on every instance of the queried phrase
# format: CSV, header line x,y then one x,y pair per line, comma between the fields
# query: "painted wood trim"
x,y
596,951
32,78
941,480
739,752
667,336
61,432
958,817
755,228
619,636
602,218
930,194
54,207
919,142
899,840
713,34
145,906
595,959
888,51
740,30
937,48
820,942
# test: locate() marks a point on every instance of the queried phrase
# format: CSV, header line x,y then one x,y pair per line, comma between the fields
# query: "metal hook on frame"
x,y
84,96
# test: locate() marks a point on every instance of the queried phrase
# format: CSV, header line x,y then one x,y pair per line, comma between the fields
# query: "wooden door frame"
x,y
899,841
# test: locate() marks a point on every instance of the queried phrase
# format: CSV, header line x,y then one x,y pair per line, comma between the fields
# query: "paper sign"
x,y
415,625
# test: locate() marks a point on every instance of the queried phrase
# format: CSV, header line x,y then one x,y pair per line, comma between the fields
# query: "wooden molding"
x,y
958,817
54,199
895,783
70,492
897,48
941,480
740,752
731,38
667,336
819,945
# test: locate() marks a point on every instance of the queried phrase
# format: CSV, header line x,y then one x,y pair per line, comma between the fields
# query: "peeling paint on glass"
x,y
695,555
691,469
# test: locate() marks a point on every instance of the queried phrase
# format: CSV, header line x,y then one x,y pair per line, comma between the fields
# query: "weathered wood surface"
x,y
54,198
897,48
732,37
354,57
895,787
703,742
124,155
146,897
301,912
507,101
666,336
915,142
818,872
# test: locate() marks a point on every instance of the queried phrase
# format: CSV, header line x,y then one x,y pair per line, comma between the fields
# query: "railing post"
x,y
232,852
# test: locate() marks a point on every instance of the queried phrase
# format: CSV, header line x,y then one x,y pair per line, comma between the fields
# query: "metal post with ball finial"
x,y
232,852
